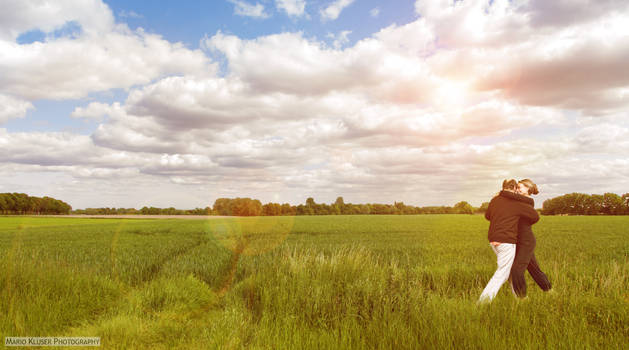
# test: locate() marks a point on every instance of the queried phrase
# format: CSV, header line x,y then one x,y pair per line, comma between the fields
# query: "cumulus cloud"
x,y
67,68
369,63
95,110
573,61
11,107
292,7
243,8
333,11
155,117
19,16
603,138
286,70
105,55
58,149
564,13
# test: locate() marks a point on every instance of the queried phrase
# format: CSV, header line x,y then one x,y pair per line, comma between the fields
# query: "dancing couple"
x,y
511,214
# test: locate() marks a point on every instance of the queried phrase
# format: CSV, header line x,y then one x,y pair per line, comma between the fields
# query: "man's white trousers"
x,y
505,253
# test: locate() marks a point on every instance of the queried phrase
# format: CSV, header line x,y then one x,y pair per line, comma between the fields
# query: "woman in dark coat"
x,y
524,256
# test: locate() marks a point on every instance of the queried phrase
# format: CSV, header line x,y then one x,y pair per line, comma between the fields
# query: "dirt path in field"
x,y
188,217
233,266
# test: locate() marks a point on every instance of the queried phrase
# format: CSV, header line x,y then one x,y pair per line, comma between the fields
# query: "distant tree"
x,y
595,204
579,203
245,207
46,205
463,208
303,210
382,209
584,204
272,209
222,206
288,209
398,207
409,210
572,203
549,207
483,207
21,203
339,206
323,209
154,211
365,209
3,203
611,204
33,205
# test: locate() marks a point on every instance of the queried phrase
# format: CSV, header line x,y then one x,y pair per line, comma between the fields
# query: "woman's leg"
x,y
505,252
523,255
538,276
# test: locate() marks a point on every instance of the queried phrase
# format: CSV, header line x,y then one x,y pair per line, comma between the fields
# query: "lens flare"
x,y
251,235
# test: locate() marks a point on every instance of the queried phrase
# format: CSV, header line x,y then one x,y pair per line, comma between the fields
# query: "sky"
x,y
163,103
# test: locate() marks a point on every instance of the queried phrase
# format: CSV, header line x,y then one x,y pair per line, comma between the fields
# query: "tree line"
x,y
587,204
23,204
253,207
144,211
568,204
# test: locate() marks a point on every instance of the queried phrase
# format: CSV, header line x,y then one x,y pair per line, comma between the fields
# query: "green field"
x,y
314,282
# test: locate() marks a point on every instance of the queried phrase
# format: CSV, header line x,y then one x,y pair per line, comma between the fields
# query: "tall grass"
x,y
358,282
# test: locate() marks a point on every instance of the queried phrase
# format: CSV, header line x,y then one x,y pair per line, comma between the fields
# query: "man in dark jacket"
x,y
504,212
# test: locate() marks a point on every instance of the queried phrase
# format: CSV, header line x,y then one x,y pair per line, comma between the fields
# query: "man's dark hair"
x,y
511,184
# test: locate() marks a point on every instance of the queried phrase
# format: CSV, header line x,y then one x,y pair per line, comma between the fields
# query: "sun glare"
x,y
451,94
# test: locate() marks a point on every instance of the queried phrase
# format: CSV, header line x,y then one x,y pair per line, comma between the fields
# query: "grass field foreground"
x,y
359,282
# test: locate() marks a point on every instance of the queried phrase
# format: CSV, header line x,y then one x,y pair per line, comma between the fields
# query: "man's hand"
x,y
495,244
